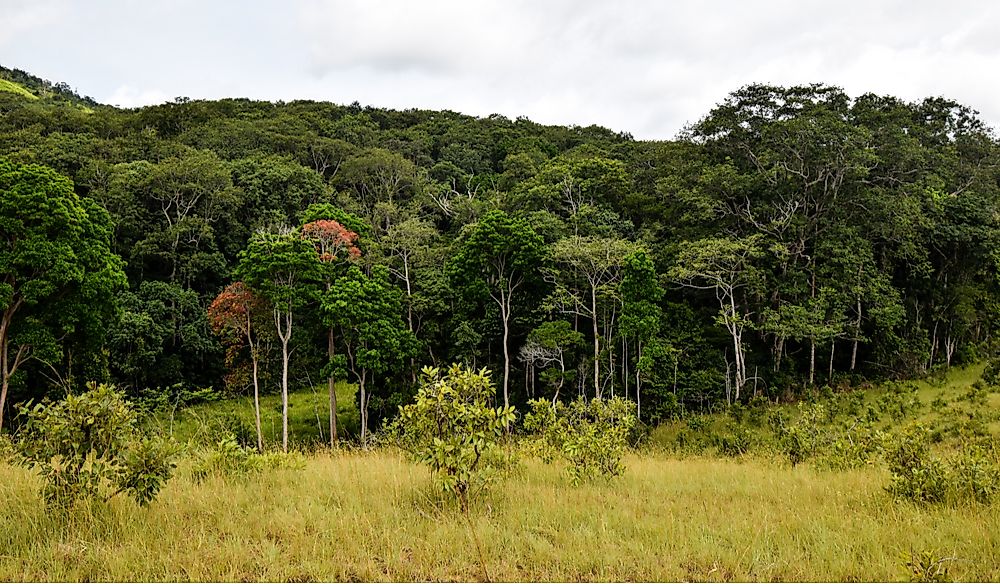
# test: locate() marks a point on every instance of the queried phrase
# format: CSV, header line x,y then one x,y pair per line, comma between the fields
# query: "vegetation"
x,y
89,443
793,304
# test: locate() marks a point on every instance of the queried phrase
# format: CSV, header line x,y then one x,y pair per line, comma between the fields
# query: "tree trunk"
x,y
285,336
597,344
638,358
812,362
5,382
332,388
857,337
256,399
833,345
505,315
364,408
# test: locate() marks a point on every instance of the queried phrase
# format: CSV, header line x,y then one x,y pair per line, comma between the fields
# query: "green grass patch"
x,y
308,418
11,87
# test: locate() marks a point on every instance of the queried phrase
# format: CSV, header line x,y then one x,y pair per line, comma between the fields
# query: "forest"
x,y
286,309
792,238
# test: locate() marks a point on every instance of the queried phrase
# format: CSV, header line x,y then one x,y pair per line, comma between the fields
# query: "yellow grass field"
x,y
374,516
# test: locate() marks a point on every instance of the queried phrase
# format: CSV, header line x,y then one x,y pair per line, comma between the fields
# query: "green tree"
x,y
641,313
58,276
500,257
281,267
586,275
367,310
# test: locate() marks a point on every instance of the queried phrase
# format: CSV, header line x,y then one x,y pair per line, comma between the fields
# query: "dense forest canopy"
x,y
793,237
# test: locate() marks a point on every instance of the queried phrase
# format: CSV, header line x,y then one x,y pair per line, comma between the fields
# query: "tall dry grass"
x,y
374,516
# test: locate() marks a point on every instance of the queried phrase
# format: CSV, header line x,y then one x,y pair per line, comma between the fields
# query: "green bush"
x,y
592,436
89,446
803,439
915,475
454,428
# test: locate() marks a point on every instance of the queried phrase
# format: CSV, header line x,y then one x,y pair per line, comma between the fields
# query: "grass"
x,y
11,87
943,403
374,516
308,417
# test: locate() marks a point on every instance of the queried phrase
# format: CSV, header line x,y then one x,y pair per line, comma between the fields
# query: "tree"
x,y
501,257
548,344
366,309
641,312
58,276
335,244
724,266
232,313
587,272
281,267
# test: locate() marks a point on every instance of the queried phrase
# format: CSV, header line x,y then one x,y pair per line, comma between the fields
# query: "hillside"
x,y
22,83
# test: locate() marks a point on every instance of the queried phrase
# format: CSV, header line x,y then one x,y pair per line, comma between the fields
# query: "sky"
x,y
642,66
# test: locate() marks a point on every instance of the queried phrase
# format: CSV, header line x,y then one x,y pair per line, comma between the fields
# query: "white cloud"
x,y
643,66
128,96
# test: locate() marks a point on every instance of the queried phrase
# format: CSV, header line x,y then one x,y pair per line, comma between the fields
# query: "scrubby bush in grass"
x,y
454,428
90,446
916,476
592,436
803,439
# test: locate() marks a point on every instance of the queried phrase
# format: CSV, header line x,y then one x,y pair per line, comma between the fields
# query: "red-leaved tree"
x,y
231,316
334,245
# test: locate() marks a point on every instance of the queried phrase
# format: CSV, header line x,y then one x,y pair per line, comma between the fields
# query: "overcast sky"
x,y
644,67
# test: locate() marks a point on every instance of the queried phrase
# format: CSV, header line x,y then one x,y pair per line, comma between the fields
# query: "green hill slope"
x,y
956,409
11,87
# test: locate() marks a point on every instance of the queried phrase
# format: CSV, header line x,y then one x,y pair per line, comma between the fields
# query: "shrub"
x,y
454,428
592,436
736,442
915,475
89,446
802,440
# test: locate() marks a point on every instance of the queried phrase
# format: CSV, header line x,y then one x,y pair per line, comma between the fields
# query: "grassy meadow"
x,y
374,516
678,513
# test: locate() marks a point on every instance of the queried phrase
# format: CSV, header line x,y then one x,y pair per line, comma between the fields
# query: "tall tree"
x,y
281,267
335,244
367,310
586,274
232,313
57,272
500,257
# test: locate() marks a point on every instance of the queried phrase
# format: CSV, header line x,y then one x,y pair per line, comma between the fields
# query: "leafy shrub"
x,y
7,450
592,436
915,475
736,442
454,428
89,444
857,446
991,374
927,566
976,474
802,440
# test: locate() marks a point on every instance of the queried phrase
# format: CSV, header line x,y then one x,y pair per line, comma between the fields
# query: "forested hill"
x,y
792,237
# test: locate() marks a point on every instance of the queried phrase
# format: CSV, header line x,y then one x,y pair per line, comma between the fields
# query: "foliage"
x,y
971,475
592,436
89,444
453,428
